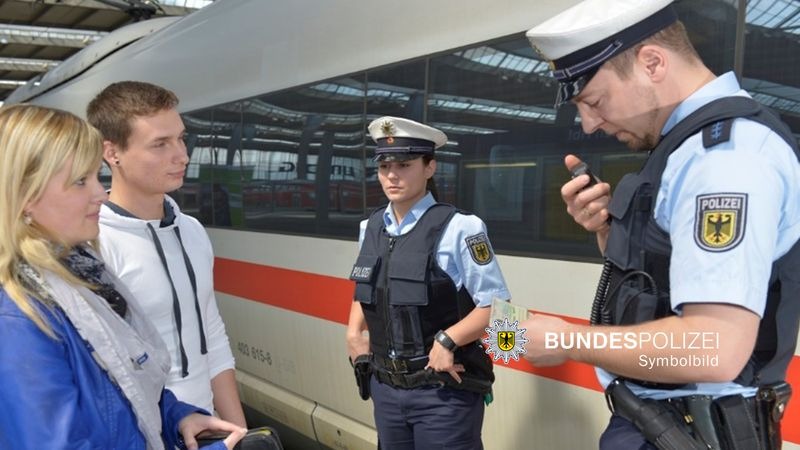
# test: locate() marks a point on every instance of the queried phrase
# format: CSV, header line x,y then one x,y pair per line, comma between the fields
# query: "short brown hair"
x,y
673,37
113,110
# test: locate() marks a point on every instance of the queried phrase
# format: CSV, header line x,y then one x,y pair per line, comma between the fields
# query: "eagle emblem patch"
x,y
720,221
479,248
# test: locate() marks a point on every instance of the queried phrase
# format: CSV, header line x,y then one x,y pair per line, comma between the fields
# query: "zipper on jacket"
x,y
386,316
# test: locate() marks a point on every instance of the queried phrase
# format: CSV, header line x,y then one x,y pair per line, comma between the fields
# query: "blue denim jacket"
x,y
54,395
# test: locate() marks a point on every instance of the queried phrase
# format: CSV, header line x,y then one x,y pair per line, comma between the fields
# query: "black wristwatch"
x,y
442,338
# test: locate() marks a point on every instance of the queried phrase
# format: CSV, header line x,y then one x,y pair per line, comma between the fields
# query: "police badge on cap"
x,y
399,139
579,40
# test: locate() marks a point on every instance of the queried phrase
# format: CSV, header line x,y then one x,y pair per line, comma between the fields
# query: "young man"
x,y
164,256
701,245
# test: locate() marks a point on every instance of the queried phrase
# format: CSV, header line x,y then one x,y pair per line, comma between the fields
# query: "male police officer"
x,y
701,245
425,278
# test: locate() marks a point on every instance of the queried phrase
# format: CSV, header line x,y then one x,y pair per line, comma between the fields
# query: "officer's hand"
x,y
587,206
440,359
194,424
357,345
537,353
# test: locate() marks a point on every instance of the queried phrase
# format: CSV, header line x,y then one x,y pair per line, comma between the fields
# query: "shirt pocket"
x,y
408,280
364,272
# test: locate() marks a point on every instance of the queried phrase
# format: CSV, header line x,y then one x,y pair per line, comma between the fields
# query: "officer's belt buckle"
x,y
398,365
403,365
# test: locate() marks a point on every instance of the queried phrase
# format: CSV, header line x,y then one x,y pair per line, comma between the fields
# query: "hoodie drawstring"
x,y
193,280
176,307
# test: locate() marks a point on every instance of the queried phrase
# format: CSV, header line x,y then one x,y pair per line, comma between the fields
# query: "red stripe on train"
x,y
295,289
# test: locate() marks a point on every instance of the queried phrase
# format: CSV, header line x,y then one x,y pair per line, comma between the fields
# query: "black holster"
x,y
699,422
362,368
655,420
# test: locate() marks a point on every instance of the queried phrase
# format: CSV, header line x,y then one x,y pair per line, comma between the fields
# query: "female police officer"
x,y
425,278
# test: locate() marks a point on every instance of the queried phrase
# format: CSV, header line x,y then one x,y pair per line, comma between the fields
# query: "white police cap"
x,y
579,40
401,139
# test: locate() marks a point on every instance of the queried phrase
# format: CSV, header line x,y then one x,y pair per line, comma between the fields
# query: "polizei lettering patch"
x,y
361,273
479,248
720,221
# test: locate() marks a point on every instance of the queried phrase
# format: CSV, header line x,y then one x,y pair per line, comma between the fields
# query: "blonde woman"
x,y
79,366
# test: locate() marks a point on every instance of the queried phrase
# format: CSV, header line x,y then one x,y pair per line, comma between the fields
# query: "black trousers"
x,y
427,418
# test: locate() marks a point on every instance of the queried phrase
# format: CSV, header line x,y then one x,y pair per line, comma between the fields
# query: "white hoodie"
x,y
130,252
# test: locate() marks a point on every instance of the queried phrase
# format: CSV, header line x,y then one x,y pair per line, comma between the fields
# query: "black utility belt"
x,y
731,422
422,378
400,365
411,380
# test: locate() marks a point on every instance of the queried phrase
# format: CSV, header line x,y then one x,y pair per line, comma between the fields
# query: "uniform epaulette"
x,y
717,132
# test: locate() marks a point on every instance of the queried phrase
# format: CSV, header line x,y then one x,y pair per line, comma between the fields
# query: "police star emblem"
x,y
505,340
388,130
720,221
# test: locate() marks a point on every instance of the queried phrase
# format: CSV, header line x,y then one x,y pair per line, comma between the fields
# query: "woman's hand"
x,y
440,359
194,424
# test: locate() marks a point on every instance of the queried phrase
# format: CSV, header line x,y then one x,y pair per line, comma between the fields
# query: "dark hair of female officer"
x,y
430,186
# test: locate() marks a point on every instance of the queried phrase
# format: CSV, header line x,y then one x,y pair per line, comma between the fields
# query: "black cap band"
x,y
578,63
404,145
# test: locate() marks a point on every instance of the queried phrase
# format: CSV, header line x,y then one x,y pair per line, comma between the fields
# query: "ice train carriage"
x,y
276,97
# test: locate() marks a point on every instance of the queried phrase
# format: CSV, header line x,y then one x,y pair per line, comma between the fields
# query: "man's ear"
x,y
110,153
654,61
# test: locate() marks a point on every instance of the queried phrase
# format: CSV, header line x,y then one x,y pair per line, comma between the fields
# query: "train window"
x,y
210,182
712,29
394,91
300,160
495,102
301,153
213,188
772,56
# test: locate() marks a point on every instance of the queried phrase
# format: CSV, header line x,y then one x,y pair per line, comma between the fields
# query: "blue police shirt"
x,y
482,281
730,210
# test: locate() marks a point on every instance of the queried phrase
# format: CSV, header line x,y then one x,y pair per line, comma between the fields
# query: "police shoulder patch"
x,y
720,221
479,248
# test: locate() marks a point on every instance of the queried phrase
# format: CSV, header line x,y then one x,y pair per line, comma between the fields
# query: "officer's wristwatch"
x,y
442,338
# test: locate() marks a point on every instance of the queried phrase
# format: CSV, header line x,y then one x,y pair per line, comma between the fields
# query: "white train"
x,y
276,97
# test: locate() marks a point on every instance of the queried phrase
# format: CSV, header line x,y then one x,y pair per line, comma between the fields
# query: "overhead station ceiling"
x,y
36,35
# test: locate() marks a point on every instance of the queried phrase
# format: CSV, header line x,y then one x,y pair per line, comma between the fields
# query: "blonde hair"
x,y
35,144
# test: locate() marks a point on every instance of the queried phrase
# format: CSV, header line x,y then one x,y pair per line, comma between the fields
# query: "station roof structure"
x,y
36,35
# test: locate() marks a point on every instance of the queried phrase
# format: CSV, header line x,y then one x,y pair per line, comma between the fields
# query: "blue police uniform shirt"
x,y
755,174
483,281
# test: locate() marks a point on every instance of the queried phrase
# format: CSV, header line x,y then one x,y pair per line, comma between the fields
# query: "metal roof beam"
x,y
27,65
167,9
47,36
11,84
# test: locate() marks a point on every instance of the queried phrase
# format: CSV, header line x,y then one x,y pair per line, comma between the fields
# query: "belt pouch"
x,y
736,425
771,401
